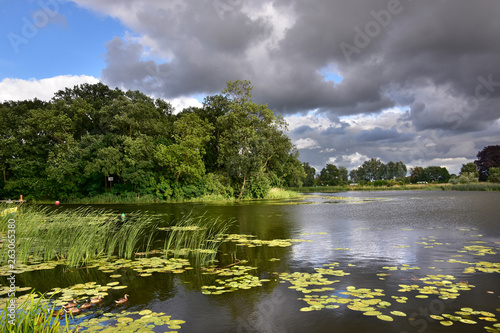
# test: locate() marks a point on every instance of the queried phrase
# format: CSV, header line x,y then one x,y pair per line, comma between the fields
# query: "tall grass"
x,y
32,315
77,235
198,237
279,193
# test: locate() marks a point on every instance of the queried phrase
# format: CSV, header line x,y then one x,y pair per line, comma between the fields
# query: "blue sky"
x,y
58,38
418,82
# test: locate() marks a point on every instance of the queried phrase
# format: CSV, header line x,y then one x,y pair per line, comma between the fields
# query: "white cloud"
x,y
184,102
307,143
44,89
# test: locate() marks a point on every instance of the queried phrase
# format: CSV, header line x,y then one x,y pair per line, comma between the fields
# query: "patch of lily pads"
x,y
144,266
469,316
135,321
249,241
231,279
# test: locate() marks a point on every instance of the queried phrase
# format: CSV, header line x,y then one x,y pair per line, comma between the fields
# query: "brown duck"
x,y
122,300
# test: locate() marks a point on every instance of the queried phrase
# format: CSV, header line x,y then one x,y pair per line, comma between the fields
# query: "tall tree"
x,y
310,174
330,175
487,158
253,140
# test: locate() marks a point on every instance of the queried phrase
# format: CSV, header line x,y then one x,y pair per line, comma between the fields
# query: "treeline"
x,y
374,172
91,140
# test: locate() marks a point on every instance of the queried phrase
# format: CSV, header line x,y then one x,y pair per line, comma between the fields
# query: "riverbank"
x,y
408,187
274,193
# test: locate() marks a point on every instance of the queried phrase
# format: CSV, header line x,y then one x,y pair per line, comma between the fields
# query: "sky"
x,y
398,80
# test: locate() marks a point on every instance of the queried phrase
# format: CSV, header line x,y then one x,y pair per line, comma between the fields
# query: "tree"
x,y
310,174
469,168
343,174
253,141
487,158
184,158
437,174
330,175
419,174
373,169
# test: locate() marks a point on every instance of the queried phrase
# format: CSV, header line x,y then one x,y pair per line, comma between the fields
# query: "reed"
x,y
78,235
279,193
34,314
198,237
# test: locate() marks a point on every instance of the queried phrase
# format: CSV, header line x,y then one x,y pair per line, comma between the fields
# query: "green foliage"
x,y
374,169
330,175
310,174
430,174
258,187
468,178
196,236
494,175
469,167
34,314
77,235
487,158
91,141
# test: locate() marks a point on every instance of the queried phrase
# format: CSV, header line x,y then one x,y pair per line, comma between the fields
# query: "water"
x,y
416,233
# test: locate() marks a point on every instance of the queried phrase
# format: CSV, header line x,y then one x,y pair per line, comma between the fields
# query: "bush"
x,y
258,187
494,175
468,178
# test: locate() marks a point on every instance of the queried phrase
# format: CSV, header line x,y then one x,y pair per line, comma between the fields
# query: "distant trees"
x,y
469,168
374,169
91,139
429,174
330,176
310,174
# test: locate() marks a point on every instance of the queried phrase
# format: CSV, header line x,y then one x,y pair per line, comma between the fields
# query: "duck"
x,y
96,300
57,313
86,305
122,300
74,310
71,304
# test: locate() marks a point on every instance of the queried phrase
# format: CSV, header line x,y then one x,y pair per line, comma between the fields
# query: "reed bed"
x,y
198,237
34,314
78,235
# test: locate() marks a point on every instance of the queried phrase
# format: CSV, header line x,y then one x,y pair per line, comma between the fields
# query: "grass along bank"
x,y
109,198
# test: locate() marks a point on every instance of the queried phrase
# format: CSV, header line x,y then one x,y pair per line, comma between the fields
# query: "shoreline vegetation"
x,y
109,198
277,193
407,187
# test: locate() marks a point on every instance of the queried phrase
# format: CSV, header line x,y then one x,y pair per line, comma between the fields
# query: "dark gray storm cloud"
x,y
436,61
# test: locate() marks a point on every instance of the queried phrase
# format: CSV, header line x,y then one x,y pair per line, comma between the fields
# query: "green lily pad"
x,y
385,318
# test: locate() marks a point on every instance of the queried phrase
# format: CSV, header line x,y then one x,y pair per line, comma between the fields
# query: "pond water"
x,y
414,254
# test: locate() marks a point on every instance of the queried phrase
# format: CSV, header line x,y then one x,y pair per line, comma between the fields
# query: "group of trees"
x,y
91,139
485,168
374,169
369,171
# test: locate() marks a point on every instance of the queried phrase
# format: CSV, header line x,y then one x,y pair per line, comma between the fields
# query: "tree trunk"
x,y
242,188
105,182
